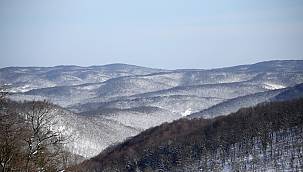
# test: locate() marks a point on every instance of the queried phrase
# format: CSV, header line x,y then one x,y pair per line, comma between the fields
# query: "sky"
x,y
166,34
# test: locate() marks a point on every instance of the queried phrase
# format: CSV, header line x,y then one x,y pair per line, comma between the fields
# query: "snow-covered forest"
x,y
268,137
132,118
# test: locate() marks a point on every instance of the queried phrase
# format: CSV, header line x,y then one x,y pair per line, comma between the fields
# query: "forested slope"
x,y
267,136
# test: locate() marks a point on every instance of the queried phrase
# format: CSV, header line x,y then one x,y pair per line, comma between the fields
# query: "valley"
x,y
110,103
102,106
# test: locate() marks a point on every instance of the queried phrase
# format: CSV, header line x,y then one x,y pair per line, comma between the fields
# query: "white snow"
x,y
272,86
186,113
21,89
226,168
90,87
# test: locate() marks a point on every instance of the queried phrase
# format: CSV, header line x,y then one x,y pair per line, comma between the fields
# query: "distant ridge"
x,y
178,69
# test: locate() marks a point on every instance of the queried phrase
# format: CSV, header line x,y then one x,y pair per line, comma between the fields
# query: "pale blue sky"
x,y
157,33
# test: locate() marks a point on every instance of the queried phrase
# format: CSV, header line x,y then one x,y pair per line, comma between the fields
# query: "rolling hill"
x,y
107,104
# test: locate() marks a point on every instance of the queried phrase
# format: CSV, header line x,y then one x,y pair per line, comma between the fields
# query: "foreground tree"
x,y
30,139
44,142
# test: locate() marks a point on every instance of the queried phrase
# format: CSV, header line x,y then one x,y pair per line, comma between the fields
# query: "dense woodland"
x,y
268,136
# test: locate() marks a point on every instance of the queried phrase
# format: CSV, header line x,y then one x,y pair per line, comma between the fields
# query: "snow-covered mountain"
x,y
224,83
232,105
107,104
22,79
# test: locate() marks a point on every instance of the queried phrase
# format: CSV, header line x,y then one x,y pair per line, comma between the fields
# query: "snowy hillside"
x,y
232,105
225,83
92,132
22,79
267,137
107,104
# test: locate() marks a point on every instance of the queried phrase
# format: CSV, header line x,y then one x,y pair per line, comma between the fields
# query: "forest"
x,y
267,136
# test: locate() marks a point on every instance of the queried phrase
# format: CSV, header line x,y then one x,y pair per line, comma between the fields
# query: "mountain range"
x,y
103,105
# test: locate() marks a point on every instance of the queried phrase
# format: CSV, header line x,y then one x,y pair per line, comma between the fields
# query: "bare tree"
x,y
44,140
30,137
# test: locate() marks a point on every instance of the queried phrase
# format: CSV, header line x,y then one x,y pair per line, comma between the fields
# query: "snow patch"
x,y
21,89
186,113
90,87
272,86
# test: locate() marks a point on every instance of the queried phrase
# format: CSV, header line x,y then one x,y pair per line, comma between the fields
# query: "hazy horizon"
x,y
171,34
155,67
